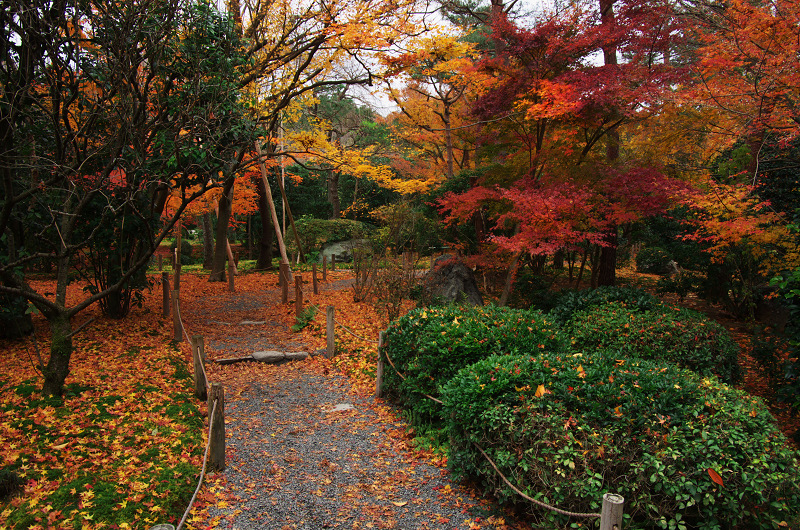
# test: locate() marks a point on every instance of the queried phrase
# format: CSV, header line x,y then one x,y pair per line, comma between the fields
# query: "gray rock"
x,y
269,356
296,355
343,249
452,281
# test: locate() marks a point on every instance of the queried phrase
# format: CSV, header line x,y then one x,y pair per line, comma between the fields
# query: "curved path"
x,y
304,450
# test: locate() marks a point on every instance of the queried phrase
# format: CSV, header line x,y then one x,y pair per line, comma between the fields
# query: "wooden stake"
x,y
314,277
324,268
379,368
201,347
216,434
298,295
331,333
200,383
333,262
165,288
611,513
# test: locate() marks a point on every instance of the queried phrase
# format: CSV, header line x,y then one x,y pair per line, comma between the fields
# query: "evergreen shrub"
x,y
681,336
652,260
571,303
429,345
566,428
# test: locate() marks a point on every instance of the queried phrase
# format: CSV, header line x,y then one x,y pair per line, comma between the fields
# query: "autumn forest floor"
x,y
308,446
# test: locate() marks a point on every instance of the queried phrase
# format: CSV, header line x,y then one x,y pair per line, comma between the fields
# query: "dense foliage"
x,y
565,428
429,345
681,336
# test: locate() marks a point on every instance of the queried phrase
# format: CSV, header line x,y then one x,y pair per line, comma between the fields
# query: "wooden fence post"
x,y
231,287
379,368
177,328
298,295
324,268
165,288
200,383
331,333
333,262
284,272
216,434
314,277
201,347
611,513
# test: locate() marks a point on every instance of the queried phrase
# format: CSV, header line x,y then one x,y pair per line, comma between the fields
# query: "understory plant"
x,y
681,336
427,346
685,451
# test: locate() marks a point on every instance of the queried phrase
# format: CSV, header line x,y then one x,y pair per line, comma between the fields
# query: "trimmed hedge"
x,y
566,428
573,302
677,335
429,345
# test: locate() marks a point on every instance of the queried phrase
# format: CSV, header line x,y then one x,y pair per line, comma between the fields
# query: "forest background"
x,y
572,137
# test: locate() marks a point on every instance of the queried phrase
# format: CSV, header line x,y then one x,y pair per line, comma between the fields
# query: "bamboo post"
x,y
324,268
200,383
176,317
314,277
298,295
284,272
231,287
611,513
331,333
216,429
379,368
165,288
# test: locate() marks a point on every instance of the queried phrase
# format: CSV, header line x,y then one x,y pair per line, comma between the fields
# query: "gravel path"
x,y
305,451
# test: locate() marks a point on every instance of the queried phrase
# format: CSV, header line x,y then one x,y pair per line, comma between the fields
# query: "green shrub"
x,y
652,260
572,302
532,291
566,428
429,345
677,335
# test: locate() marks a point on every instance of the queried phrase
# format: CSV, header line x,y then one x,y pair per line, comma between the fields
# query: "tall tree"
x,y
122,115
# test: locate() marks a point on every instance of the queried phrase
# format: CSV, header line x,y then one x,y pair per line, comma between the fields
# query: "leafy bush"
x,y
572,302
652,260
316,233
677,335
532,291
429,345
566,428
186,252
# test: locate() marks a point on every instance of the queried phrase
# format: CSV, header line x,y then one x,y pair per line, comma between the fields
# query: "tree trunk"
x,y
208,241
265,241
57,369
221,236
607,267
333,194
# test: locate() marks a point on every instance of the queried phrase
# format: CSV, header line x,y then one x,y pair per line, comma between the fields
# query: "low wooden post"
x,y
331,333
216,434
324,268
314,277
201,347
611,513
298,295
177,328
333,262
200,383
379,368
231,286
284,272
165,288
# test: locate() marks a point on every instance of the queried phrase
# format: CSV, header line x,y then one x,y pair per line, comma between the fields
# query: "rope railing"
x,y
203,470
